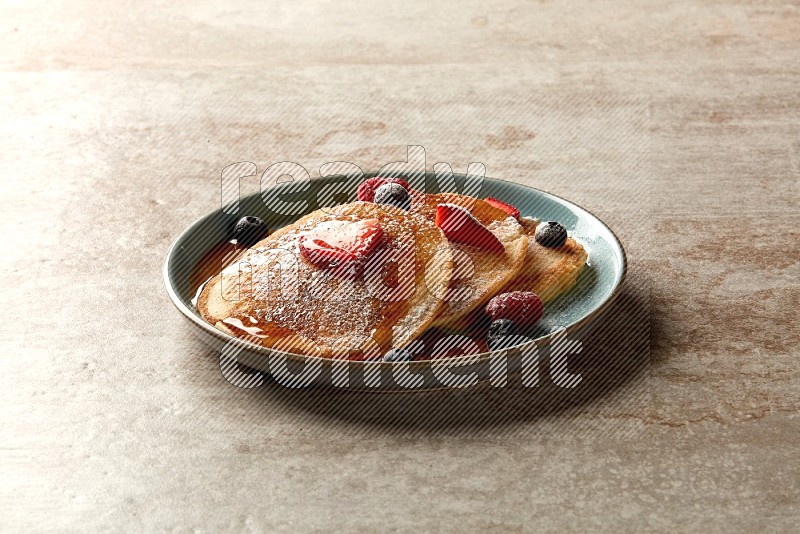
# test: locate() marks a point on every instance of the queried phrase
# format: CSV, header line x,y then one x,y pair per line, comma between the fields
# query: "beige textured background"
x,y
677,122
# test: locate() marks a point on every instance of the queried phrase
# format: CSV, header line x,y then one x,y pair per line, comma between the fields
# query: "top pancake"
x,y
478,274
312,312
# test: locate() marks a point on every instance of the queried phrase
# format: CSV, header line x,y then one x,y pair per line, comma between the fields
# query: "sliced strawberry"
x,y
321,253
339,242
461,227
508,208
366,191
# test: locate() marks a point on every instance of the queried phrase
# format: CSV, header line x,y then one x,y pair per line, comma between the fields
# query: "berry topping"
x,y
250,230
503,334
461,227
398,355
340,242
394,194
508,208
523,307
322,254
502,327
551,234
366,191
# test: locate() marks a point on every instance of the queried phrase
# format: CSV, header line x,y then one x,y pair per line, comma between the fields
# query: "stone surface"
x,y
677,123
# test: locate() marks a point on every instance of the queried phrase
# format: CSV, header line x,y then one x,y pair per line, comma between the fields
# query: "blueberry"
x,y
503,334
398,355
394,195
502,327
250,230
551,234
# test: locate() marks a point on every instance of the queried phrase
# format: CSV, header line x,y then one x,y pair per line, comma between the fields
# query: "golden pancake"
x,y
478,274
548,272
283,301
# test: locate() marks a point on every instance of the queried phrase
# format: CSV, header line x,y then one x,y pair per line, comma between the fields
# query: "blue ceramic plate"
x,y
598,283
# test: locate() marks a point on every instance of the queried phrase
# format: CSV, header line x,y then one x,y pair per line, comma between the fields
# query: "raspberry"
x,y
523,307
366,191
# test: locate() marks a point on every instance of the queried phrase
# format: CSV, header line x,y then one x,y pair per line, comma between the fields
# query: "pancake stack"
x,y
413,279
